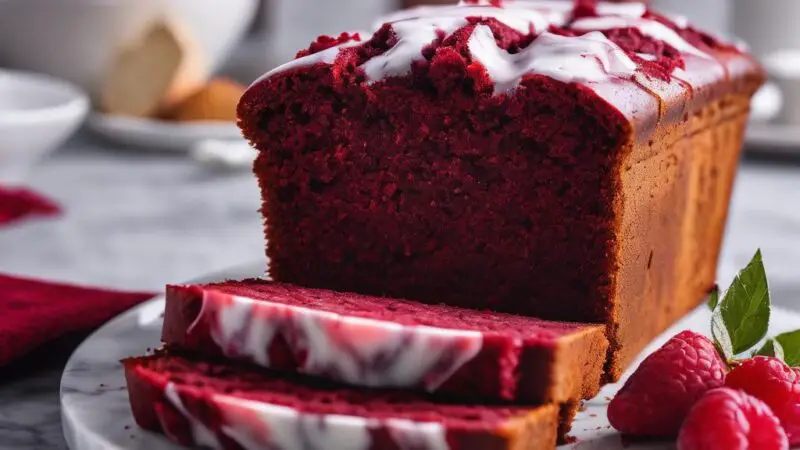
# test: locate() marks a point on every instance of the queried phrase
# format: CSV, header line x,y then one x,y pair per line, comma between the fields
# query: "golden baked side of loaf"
x,y
673,207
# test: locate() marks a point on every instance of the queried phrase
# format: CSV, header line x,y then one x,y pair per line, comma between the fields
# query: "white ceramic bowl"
x,y
76,39
37,114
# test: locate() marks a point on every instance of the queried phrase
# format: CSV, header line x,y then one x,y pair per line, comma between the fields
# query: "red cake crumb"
x,y
367,216
499,178
326,42
584,8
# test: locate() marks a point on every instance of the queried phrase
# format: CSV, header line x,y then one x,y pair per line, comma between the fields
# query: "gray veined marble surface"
x,y
137,221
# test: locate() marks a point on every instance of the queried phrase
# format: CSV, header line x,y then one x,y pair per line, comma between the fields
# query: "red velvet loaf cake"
x,y
526,158
229,407
385,343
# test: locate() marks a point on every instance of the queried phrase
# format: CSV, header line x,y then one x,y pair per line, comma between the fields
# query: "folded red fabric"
x,y
33,313
20,203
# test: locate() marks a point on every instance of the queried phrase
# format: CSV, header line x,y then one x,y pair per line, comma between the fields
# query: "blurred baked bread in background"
x,y
214,101
153,72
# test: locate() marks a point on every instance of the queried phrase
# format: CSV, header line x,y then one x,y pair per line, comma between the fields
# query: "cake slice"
x,y
388,343
219,406
518,156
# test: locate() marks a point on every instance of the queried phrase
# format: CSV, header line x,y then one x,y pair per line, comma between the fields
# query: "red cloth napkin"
x,y
19,203
33,313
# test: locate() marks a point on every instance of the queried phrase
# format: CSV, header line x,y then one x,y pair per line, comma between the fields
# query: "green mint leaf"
x,y
745,309
772,348
722,340
713,298
791,347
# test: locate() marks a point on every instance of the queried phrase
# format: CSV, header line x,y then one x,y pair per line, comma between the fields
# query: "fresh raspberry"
x,y
776,384
732,420
658,396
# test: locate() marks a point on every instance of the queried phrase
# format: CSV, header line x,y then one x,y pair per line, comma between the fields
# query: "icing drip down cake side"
x,y
529,158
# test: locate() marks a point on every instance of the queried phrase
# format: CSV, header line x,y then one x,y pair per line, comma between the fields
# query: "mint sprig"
x,y
791,347
741,319
713,298
772,348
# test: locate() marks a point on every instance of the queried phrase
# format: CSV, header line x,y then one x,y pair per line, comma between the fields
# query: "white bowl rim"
x,y
76,103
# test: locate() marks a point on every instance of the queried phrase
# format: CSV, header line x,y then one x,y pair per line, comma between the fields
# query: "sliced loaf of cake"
x,y
519,156
197,403
380,342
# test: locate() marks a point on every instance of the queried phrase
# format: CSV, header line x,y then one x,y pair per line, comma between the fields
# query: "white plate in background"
x,y
159,135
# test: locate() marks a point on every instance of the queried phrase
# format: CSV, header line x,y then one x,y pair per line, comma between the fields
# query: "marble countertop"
x,y
139,220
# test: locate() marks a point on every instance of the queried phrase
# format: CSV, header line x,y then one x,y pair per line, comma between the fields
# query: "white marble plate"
x,y
159,135
96,415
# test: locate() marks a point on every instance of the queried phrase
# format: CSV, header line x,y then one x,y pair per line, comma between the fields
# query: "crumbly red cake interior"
x,y
429,187
428,162
316,396
399,311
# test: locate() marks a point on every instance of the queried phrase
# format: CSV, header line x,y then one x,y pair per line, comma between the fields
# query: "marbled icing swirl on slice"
x,y
225,407
387,343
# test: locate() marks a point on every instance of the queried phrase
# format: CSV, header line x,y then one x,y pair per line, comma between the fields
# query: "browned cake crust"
x,y
672,208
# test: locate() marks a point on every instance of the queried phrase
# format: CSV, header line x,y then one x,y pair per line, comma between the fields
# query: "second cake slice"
x,y
388,343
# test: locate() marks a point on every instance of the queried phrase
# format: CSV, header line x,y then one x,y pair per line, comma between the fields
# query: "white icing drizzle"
x,y
413,435
201,434
650,28
583,59
419,27
327,56
413,36
647,56
679,20
342,347
257,425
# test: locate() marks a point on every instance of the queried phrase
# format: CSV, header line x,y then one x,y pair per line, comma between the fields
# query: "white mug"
x,y
767,25
783,67
710,15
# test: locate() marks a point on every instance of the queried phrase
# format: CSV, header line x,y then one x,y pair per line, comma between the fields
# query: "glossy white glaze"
x,y
342,347
587,59
590,58
414,435
202,435
257,425
650,28
327,56
412,37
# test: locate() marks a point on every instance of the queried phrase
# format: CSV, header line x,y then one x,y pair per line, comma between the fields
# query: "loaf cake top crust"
x,y
647,66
